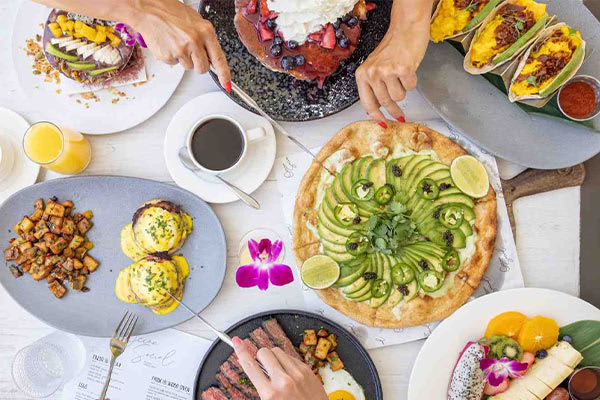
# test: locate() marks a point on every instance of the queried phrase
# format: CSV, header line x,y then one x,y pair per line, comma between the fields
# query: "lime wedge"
x,y
320,272
470,176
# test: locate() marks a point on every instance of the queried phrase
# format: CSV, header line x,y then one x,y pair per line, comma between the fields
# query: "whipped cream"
x,y
299,18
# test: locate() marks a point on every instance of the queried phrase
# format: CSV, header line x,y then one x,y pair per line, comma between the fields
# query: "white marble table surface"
x,y
547,224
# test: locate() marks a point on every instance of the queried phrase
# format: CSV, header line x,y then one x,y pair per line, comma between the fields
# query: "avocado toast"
x,y
429,243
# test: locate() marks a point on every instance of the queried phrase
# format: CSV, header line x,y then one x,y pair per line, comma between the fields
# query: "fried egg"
x,y
340,385
146,282
158,226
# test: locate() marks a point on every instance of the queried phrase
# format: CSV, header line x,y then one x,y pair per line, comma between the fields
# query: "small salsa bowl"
x,y
594,83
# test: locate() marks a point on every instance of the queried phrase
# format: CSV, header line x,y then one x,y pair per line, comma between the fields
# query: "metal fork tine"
x,y
125,328
121,324
131,330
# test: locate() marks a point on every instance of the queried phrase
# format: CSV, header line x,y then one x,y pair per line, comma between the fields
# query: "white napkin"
x,y
503,273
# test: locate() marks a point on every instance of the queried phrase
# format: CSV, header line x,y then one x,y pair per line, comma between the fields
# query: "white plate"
x,y
101,117
435,362
253,170
24,172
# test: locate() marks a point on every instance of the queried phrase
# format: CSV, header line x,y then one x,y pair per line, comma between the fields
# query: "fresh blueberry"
x,y
299,60
567,339
271,24
351,67
352,22
275,50
292,44
346,18
287,63
343,42
339,33
277,40
337,23
541,354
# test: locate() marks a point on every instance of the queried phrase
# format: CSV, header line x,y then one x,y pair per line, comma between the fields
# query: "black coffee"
x,y
217,144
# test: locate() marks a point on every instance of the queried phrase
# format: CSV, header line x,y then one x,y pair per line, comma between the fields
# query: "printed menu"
x,y
159,366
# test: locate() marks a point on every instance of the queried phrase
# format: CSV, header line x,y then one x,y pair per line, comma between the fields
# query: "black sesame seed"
x,y
445,186
368,276
426,188
352,246
448,238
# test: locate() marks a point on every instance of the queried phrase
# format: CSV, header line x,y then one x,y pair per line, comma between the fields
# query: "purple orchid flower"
x,y
130,38
264,254
498,370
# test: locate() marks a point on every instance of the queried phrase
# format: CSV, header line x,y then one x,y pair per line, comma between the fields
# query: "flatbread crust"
x,y
357,140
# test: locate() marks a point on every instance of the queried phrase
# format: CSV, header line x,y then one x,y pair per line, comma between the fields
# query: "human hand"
x,y
289,378
391,70
176,33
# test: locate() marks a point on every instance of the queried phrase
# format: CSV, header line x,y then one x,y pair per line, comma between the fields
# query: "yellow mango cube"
x,y
100,37
70,25
78,25
88,32
55,29
101,28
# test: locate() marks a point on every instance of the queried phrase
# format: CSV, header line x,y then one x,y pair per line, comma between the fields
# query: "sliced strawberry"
x,y
316,37
528,358
492,390
264,8
252,6
272,14
265,33
371,6
329,41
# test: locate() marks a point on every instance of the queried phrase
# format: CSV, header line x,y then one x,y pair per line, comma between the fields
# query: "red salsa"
x,y
577,99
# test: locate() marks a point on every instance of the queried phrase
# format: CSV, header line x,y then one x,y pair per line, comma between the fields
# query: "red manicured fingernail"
x,y
382,124
236,340
401,119
228,87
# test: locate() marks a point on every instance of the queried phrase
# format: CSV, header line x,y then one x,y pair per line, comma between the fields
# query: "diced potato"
x,y
11,253
322,333
25,246
40,229
83,226
39,272
26,225
335,362
37,215
58,246
68,264
310,337
39,204
55,224
333,339
77,264
322,348
17,228
310,359
305,348
89,214
30,253
90,263
26,267
42,246
80,252
54,209
69,252
76,242
58,289
68,226
88,245
78,282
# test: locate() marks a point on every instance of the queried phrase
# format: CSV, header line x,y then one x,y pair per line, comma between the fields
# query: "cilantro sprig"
x,y
390,231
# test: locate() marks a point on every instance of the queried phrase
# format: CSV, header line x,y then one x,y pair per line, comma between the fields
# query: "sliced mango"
x,y
70,25
114,39
88,32
55,29
78,25
101,28
100,37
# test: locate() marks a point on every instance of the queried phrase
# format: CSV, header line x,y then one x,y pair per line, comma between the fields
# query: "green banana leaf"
x,y
586,340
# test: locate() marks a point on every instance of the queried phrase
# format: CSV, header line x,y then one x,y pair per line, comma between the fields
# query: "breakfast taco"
x,y
88,50
508,30
552,60
456,17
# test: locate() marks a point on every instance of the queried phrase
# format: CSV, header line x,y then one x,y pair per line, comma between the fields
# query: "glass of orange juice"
x,y
56,148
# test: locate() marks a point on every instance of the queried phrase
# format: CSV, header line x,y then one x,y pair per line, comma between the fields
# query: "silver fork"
x,y
118,342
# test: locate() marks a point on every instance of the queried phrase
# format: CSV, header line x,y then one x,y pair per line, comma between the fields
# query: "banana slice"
x,y
550,371
566,354
75,45
518,390
537,387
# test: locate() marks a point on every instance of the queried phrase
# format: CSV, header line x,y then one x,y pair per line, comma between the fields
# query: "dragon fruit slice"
x,y
468,379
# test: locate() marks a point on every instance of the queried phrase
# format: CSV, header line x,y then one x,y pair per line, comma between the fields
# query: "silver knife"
x,y
250,101
222,335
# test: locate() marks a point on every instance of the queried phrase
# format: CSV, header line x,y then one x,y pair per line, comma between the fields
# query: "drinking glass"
x,y
40,369
57,148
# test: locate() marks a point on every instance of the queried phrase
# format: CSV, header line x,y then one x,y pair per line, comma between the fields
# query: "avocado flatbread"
x,y
412,162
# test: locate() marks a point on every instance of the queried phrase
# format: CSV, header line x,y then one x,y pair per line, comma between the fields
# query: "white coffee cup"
x,y
7,157
248,136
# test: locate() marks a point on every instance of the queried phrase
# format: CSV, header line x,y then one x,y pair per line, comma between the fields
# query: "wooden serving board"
x,y
534,181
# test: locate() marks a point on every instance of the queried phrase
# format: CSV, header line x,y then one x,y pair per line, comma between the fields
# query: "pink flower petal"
x,y
265,246
130,40
486,363
253,248
263,279
247,276
281,274
140,40
120,27
275,251
495,378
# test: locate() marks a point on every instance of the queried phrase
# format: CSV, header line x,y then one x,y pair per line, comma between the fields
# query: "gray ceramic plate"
x,y
113,201
483,113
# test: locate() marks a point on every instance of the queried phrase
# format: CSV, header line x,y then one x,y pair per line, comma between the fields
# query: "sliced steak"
x,y
260,337
213,393
228,388
235,362
279,337
240,382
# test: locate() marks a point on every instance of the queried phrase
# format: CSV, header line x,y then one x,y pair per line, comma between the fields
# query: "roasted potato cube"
x,y
60,274
310,337
58,246
88,245
80,252
39,272
37,215
69,252
26,225
55,224
68,227
88,214
26,267
15,271
50,238
335,362
17,228
76,242
68,264
83,226
30,237
25,246
78,282
333,339
40,229
58,289
51,261
20,259
30,253
77,264
16,242
11,253
54,209
90,263
50,278
39,204
85,271
42,246
310,359
322,348
322,333
77,217
305,348
68,207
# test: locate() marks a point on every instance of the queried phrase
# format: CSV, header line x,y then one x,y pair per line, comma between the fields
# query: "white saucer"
x,y
253,170
24,172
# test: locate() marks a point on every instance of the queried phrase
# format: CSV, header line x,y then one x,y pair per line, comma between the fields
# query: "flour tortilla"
x,y
543,36
356,139
461,33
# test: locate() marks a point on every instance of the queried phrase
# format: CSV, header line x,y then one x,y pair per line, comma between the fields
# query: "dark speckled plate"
x,y
356,359
280,95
